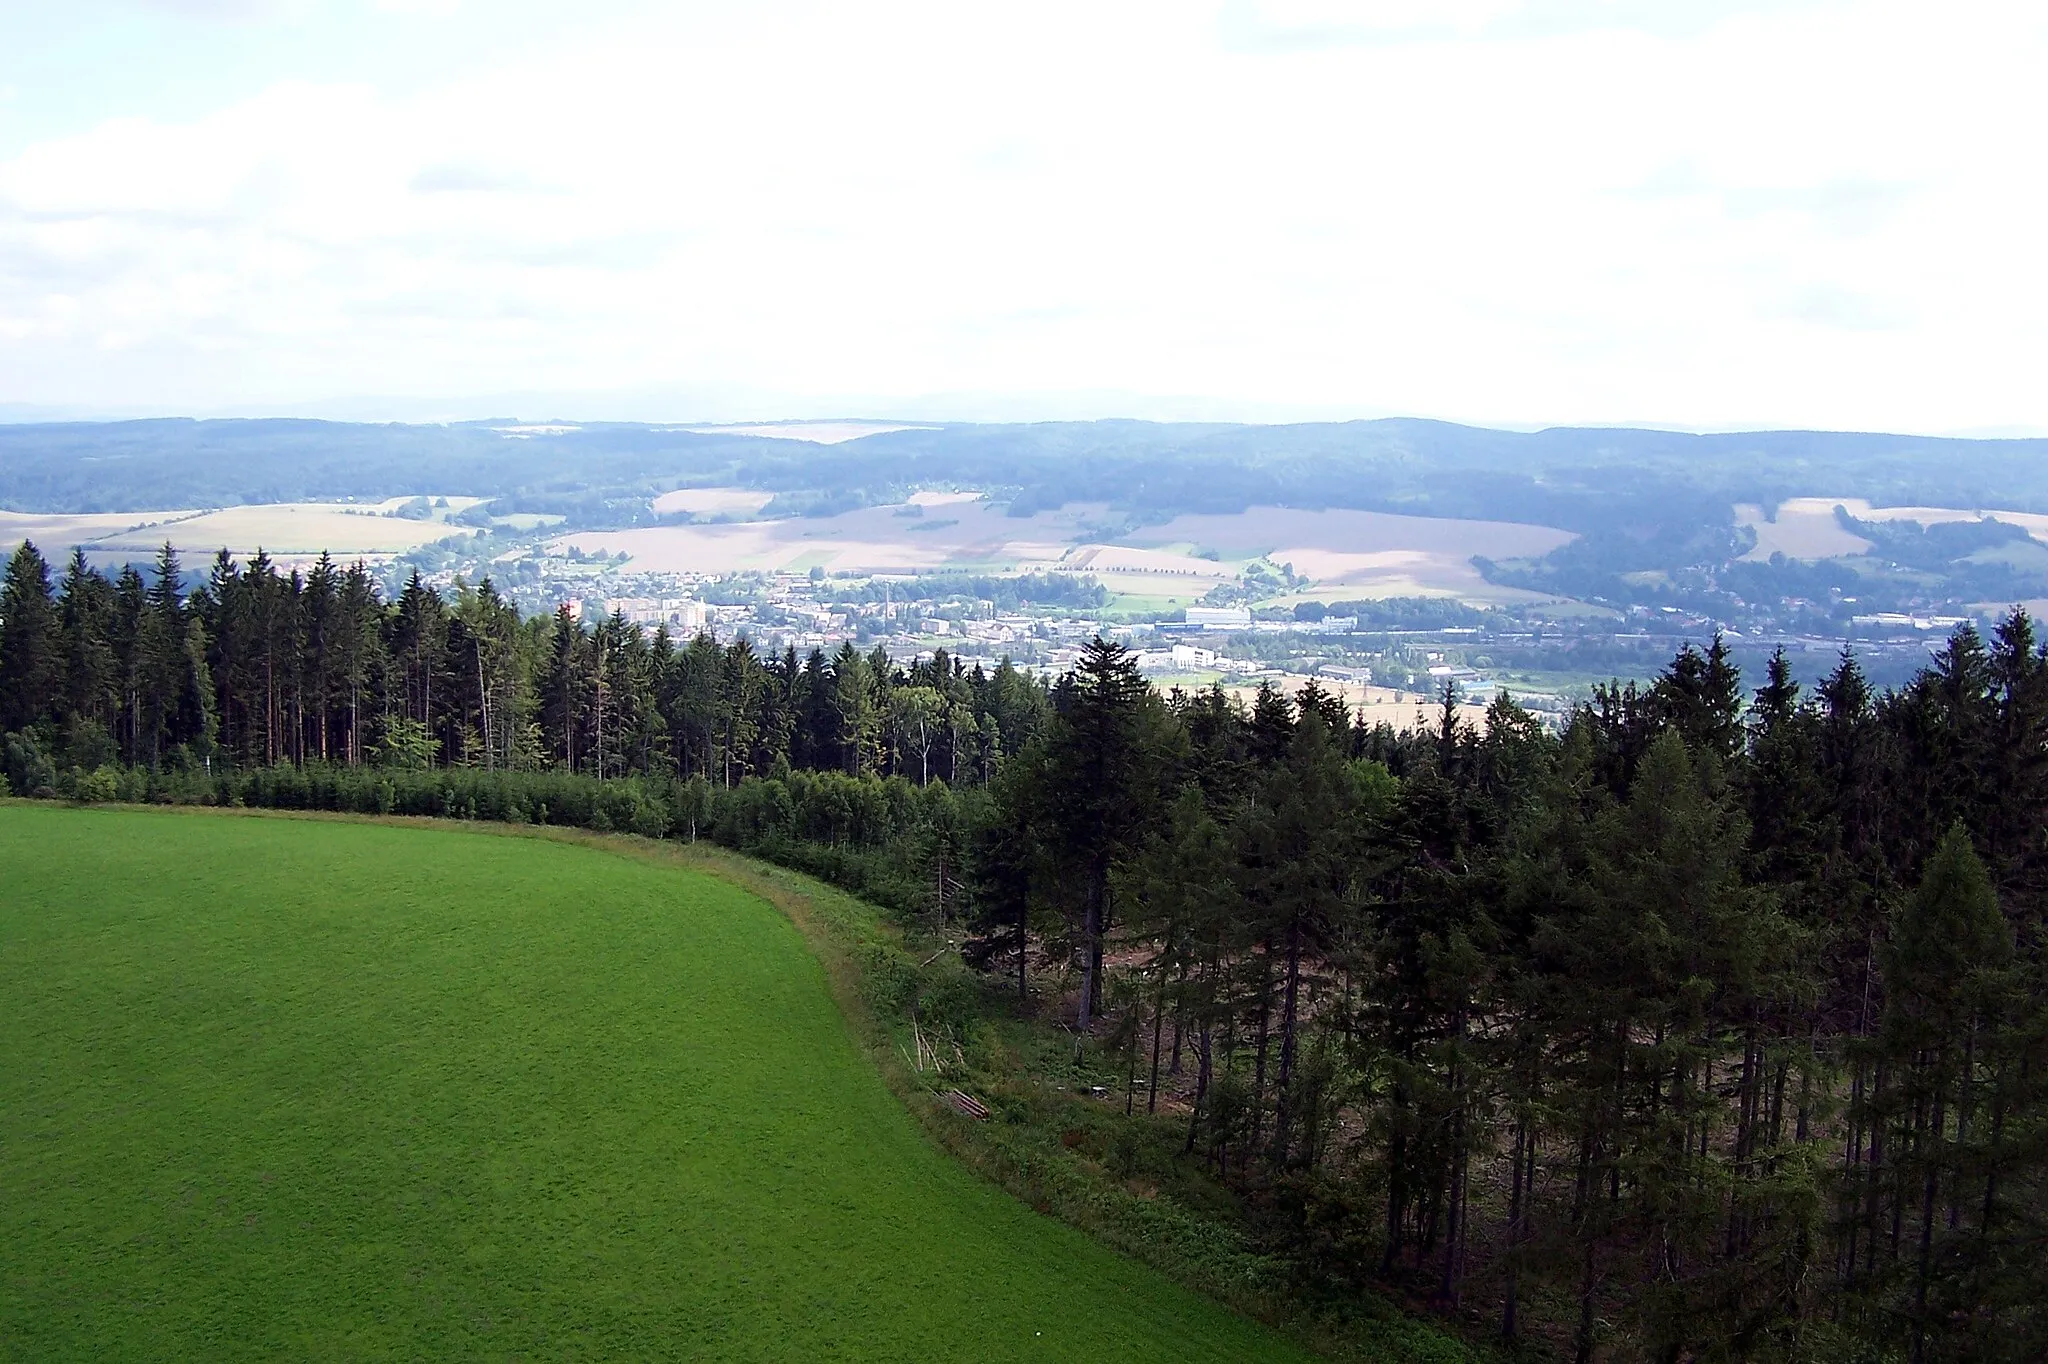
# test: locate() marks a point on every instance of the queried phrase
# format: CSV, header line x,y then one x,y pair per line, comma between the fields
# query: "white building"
x,y
684,616
1179,658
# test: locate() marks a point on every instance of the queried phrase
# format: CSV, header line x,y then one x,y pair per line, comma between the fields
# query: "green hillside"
x,y
281,1088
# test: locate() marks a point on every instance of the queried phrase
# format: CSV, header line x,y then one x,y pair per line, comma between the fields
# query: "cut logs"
x,y
966,1105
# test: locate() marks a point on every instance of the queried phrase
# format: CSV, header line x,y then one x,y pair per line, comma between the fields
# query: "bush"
x,y
98,786
27,768
888,978
649,820
950,998
1127,1152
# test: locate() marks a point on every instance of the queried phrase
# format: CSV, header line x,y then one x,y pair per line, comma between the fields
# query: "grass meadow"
x,y
294,1088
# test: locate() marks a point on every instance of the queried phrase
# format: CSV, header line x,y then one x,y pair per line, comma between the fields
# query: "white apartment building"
x,y
1220,617
684,616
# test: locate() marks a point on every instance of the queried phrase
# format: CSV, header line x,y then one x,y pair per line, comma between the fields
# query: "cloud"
x,y
228,11
457,178
1772,217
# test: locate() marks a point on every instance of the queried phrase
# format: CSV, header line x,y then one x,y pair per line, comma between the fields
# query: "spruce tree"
x,y
86,624
31,658
1946,986
1103,775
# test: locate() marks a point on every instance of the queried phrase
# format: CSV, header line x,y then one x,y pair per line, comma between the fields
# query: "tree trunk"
x,y
1290,997
1091,945
1202,1072
1259,1056
1023,982
1158,1019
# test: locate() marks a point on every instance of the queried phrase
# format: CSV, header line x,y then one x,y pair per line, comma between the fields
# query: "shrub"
x,y
650,820
98,786
949,998
888,978
27,768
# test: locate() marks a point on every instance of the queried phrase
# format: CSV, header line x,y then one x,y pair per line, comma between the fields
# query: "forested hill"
x,y
1714,1026
1579,479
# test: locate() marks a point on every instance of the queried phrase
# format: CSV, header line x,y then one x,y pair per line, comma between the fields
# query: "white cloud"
x,y
228,11
1782,217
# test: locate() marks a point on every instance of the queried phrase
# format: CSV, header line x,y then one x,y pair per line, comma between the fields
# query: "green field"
x,y
287,1088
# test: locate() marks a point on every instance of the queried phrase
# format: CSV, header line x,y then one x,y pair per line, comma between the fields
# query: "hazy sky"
x,y
1709,215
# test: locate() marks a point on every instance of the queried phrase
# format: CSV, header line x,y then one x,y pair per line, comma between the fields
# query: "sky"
x,y
1706,216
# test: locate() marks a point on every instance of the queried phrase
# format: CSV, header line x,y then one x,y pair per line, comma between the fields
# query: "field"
x,y
1345,553
872,539
289,530
1362,554
284,1088
734,502
817,433
1806,528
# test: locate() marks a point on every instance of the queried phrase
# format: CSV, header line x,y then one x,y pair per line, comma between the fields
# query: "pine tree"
x,y
359,655
318,672
563,691
1102,775
175,681
857,709
31,657
1945,974
419,645
87,623
126,637
1700,696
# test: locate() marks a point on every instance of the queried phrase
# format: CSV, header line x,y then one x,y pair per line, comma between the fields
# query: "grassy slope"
x,y
1159,1215
340,1090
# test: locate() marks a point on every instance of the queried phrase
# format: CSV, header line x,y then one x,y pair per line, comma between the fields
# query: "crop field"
x,y
733,502
817,433
1806,528
57,532
1363,554
283,529
309,1089
1344,553
872,539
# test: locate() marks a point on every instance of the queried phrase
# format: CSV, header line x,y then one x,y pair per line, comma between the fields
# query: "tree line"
x,y
1711,1025
258,666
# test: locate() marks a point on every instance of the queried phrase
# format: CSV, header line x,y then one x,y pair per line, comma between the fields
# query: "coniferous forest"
x,y
1712,1026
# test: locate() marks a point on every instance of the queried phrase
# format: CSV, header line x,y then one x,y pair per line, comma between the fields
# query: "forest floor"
x,y
330,1088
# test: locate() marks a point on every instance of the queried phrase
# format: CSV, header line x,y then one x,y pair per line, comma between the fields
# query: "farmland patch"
x,y
1345,553
287,530
1807,528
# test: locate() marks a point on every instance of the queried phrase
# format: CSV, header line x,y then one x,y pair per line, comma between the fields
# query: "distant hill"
x,y
1572,477
1653,511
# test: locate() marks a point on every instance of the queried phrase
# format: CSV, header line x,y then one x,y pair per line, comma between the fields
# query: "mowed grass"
x,y
290,1088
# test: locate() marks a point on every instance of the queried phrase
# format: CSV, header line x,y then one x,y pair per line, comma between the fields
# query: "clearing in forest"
x,y
290,1088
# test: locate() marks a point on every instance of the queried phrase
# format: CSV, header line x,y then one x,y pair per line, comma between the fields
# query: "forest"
x,y
1709,1025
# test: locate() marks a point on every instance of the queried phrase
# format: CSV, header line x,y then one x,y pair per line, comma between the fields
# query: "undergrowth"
x,y
1049,1140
